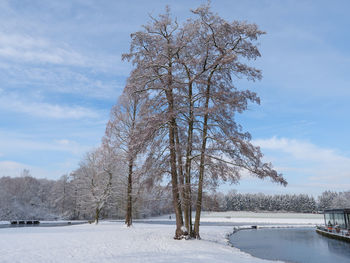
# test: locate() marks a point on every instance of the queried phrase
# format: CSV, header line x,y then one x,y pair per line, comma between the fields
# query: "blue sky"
x,y
60,73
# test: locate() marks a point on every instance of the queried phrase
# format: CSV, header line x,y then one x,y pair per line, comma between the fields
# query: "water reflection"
x,y
338,247
294,245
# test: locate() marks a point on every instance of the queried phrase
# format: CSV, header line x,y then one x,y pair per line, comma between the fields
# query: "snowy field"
x,y
113,242
259,218
256,217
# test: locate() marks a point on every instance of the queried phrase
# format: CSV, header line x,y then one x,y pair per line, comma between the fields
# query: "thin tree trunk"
x,y
179,161
180,172
128,217
64,195
202,160
172,149
75,211
173,170
97,215
187,190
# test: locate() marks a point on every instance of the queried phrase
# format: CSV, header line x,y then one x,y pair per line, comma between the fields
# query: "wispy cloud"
x,y
37,50
17,142
308,163
25,48
15,103
69,146
14,169
302,150
62,155
10,168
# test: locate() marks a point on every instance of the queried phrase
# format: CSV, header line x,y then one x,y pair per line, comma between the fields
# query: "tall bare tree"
x,y
154,51
188,71
125,135
225,150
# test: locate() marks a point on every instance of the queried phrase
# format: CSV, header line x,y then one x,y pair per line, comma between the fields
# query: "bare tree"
x,y
125,134
94,179
61,194
188,72
154,51
225,150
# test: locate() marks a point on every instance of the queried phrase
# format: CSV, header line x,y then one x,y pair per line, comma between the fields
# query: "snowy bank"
x,y
255,218
112,242
263,218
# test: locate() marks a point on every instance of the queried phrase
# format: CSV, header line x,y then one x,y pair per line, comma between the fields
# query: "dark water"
x,y
301,245
48,224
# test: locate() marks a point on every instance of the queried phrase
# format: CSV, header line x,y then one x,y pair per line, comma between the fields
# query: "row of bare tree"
x,y
176,116
29,198
84,194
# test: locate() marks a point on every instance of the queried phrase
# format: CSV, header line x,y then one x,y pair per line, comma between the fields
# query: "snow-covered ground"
x,y
259,218
113,242
255,217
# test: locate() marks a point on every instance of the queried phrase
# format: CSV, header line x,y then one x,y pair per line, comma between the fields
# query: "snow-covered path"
x,y
112,242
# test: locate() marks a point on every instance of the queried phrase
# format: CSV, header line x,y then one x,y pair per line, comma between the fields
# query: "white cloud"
x,y
25,48
12,143
63,155
40,51
14,169
308,164
70,146
302,150
12,102
61,80
9,168
45,155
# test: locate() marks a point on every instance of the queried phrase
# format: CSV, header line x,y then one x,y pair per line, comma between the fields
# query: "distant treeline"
x,y
260,202
291,203
303,203
26,197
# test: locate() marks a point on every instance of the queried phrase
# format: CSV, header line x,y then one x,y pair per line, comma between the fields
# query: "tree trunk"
x,y
180,168
187,190
173,170
128,217
202,161
64,195
97,215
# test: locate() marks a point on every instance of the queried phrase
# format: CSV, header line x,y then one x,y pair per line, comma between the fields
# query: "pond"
x,y
300,245
44,224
